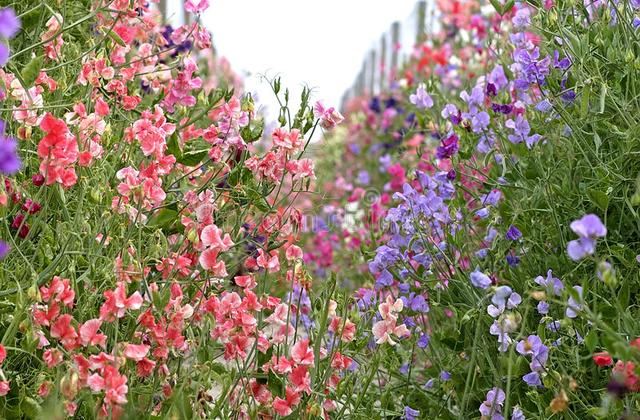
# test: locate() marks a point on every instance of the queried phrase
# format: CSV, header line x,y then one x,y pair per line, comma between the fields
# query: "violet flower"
x,y
513,233
9,160
421,98
588,228
479,279
574,306
503,298
493,403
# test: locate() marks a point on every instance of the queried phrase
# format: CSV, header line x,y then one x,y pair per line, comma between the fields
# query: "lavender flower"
x,y
451,112
533,346
4,249
588,228
574,306
9,160
410,413
543,308
503,298
521,130
522,18
551,283
492,405
480,280
517,414
9,23
423,341
421,98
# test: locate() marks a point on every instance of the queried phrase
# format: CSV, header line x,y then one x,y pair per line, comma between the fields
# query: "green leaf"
x,y
598,198
192,158
163,218
31,71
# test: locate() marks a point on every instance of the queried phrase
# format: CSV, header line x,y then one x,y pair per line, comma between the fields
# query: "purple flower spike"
x,y
4,249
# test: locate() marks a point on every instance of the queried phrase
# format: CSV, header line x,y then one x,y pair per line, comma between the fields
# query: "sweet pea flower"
x,y
329,117
493,403
196,6
421,98
574,306
588,228
479,279
552,284
410,414
503,298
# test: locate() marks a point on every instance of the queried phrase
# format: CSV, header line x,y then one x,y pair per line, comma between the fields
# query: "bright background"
x,y
320,44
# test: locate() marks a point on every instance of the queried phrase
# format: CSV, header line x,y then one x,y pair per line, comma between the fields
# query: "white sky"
x,y
321,44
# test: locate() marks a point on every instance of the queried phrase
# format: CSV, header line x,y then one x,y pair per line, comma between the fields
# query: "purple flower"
x,y
9,23
503,298
513,233
550,283
522,18
9,159
574,306
497,77
554,326
533,346
588,228
636,22
445,376
480,280
517,414
512,260
364,178
544,105
532,379
480,121
429,384
423,341
521,130
448,148
502,330
476,98
421,98
451,112
4,249
543,307
493,403
410,413
558,63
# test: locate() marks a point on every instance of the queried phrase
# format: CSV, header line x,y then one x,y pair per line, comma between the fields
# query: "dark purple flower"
x,y
513,233
451,112
451,175
448,148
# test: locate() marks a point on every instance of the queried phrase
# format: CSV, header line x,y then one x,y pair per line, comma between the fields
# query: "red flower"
x,y
602,359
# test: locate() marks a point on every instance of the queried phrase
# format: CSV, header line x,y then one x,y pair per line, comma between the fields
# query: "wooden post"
x,y
162,6
372,72
383,62
422,14
395,41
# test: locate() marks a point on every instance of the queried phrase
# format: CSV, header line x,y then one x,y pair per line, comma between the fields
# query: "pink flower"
x,y
329,117
111,382
196,6
62,330
212,237
52,357
269,261
4,388
58,150
117,303
383,330
301,353
284,407
294,252
89,335
3,353
136,352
